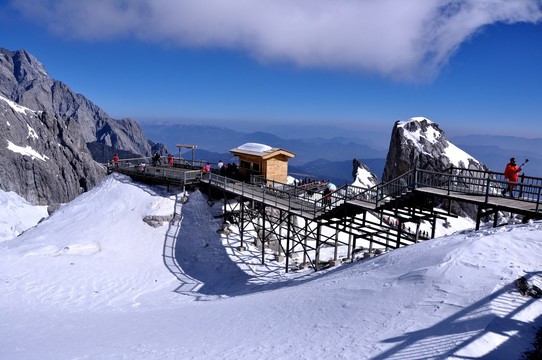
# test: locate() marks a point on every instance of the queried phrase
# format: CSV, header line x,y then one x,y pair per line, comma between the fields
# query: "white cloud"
x,y
394,38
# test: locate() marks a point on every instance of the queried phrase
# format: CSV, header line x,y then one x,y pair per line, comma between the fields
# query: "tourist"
x,y
511,173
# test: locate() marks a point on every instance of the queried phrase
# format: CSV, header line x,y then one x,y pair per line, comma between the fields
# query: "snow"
x,y
414,137
32,133
255,147
364,179
26,151
93,281
17,215
457,157
16,107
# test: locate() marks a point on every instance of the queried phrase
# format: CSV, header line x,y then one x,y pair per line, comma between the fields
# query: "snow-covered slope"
x,y
17,215
94,281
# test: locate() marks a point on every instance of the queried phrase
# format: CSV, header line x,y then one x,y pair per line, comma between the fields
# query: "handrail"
x,y
484,186
314,201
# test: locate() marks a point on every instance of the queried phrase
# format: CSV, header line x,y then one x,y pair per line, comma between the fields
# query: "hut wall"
x,y
277,169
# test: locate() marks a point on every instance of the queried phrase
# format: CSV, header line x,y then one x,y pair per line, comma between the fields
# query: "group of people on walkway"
x,y
223,169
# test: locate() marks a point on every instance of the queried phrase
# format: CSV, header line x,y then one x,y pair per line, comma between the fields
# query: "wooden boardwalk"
x,y
359,214
481,190
162,174
504,202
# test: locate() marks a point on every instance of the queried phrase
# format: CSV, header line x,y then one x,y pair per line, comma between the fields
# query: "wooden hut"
x,y
259,159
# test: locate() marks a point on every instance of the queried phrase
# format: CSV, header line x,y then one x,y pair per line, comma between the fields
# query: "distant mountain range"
x,y
314,157
332,158
72,131
496,151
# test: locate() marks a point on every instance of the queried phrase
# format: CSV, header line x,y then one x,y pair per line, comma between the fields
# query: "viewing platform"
x,y
361,215
482,188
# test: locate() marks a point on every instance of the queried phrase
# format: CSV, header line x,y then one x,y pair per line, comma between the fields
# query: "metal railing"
x,y
455,180
312,199
140,168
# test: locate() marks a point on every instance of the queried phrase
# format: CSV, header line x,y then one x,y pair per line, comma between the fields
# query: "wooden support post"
x,y
263,235
349,250
287,252
241,224
353,248
317,254
336,251
434,227
399,231
305,244
478,215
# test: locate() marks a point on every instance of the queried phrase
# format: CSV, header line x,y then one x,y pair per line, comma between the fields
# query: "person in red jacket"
x,y
116,160
511,173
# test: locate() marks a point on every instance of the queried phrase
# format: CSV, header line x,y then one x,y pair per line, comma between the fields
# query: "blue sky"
x,y
470,66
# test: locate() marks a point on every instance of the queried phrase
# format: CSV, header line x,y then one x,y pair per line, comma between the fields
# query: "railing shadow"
x,y
493,314
188,284
207,269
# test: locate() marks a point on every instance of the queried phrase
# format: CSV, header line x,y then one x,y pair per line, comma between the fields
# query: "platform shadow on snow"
x,y
194,253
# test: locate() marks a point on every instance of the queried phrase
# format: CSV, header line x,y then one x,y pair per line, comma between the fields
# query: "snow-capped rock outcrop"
x,y
420,143
363,177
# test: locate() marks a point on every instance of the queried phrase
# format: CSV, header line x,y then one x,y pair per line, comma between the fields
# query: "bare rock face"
x,y
45,158
24,80
51,137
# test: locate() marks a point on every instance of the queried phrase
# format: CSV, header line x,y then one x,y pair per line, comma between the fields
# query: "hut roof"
x,y
260,150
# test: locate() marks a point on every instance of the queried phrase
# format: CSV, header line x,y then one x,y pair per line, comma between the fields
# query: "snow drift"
x,y
95,281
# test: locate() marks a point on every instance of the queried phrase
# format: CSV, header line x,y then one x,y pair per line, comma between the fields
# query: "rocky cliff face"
x,y
24,80
420,143
44,156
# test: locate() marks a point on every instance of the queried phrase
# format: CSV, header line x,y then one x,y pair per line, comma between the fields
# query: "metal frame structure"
x,y
302,221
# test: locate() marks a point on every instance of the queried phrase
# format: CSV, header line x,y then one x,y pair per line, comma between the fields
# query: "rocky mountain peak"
x,y
23,79
27,67
420,143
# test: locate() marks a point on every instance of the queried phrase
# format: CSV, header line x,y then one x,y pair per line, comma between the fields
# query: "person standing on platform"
x,y
511,173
